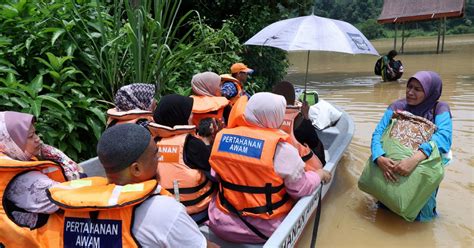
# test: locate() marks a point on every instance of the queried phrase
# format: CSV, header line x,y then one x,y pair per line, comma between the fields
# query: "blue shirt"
x,y
229,90
442,136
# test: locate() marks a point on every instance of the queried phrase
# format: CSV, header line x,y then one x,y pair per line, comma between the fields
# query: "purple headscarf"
x,y
432,86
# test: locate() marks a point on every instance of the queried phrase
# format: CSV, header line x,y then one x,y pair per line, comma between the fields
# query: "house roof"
x,y
398,11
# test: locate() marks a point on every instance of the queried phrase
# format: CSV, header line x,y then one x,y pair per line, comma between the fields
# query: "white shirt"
x,y
161,221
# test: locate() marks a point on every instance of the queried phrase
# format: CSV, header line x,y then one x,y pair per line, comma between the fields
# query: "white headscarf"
x,y
266,110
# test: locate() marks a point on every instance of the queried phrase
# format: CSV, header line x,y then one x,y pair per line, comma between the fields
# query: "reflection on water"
x,y
350,217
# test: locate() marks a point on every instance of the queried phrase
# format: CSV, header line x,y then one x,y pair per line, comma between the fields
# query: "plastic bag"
x,y
407,196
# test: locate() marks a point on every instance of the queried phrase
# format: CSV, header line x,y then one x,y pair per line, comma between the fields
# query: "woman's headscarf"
x,y
432,86
266,110
14,127
173,110
206,84
135,96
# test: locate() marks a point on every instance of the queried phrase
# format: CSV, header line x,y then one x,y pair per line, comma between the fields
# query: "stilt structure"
x,y
403,11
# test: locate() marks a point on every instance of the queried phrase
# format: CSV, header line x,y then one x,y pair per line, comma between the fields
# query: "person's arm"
x,y
442,136
305,133
387,165
406,166
376,145
290,167
196,155
228,90
443,139
28,191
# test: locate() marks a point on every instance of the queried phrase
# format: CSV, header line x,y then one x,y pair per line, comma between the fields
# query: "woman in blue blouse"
x,y
422,94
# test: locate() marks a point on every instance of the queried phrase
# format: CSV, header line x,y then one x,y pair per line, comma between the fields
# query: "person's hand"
x,y
387,166
406,166
324,175
305,110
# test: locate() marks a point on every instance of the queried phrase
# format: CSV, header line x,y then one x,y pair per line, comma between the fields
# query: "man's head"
x,y
392,54
240,71
286,89
128,154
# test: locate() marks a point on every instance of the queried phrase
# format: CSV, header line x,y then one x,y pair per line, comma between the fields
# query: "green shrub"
x,y
40,73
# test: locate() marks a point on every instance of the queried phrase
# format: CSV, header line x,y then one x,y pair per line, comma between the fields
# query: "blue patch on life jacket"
x,y
241,145
83,232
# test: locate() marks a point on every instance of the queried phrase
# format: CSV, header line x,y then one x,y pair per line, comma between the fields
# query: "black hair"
x,y
286,89
204,127
392,54
121,145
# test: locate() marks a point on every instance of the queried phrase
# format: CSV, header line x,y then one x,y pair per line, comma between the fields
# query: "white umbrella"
x,y
313,33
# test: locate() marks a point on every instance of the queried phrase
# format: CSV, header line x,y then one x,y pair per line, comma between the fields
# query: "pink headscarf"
x,y
266,110
206,84
14,129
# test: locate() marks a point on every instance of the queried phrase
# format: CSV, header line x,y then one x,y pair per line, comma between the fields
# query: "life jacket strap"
x,y
190,190
252,189
269,207
200,198
268,190
232,209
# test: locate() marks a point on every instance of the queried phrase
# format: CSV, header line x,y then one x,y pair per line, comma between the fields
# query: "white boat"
x,y
335,139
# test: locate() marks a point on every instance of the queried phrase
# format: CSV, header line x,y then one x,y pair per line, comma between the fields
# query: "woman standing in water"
x,y
422,99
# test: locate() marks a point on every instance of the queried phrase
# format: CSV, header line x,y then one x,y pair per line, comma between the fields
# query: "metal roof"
x,y
398,11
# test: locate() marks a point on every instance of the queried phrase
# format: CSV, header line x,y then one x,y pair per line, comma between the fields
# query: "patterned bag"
x,y
411,130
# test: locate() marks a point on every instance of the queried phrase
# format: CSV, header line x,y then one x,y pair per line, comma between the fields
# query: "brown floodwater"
x,y
349,216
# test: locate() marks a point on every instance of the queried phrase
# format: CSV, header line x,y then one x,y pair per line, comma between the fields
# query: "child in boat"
x,y
134,103
130,203
184,161
260,174
27,168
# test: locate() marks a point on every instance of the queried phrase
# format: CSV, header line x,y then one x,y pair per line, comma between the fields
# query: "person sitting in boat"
x,y
27,168
184,167
208,103
298,124
260,174
134,103
128,208
422,99
233,85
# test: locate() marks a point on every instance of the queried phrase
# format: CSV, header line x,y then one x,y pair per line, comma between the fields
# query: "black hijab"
x,y
173,110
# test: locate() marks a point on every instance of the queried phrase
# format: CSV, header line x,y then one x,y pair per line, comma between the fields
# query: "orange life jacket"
x,y
238,86
237,113
248,186
131,116
311,160
195,189
209,107
11,234
97,214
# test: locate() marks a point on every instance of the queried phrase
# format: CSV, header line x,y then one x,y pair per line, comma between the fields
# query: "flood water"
x,y
349,216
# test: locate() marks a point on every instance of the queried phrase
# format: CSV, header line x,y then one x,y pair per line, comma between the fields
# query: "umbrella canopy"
x,y
313,33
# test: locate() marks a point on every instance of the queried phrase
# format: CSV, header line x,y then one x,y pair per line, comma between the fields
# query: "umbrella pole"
x,y
306,76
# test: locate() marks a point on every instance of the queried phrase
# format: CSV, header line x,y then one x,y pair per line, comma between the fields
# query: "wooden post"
x,y
439,34
395,38
403,37
444,34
